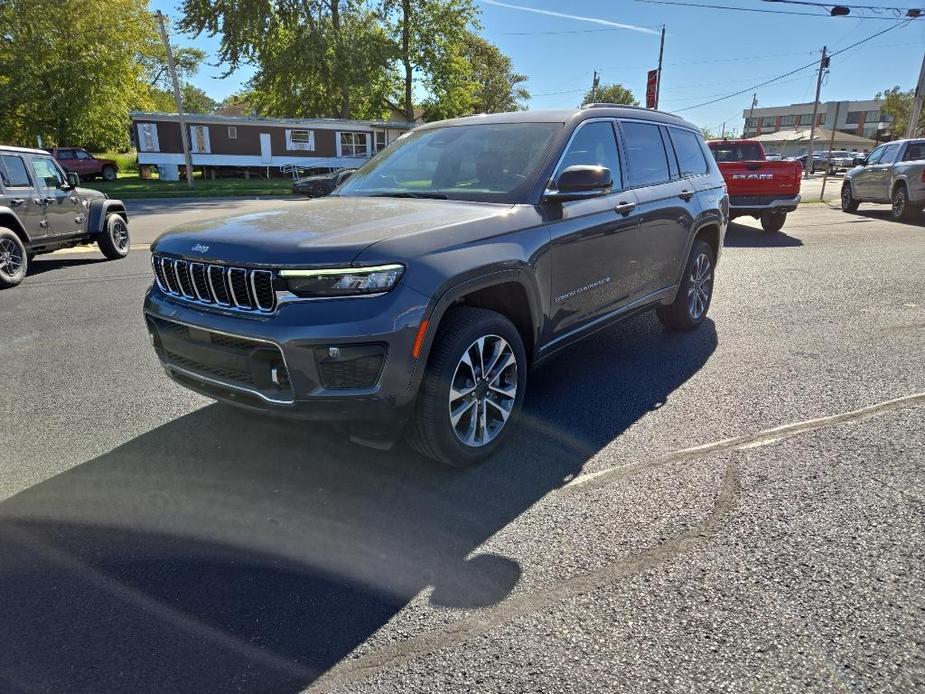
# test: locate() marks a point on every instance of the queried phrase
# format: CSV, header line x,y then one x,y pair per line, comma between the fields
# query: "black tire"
x,y
430,431
320,190
848,202
14,261
901,211
114,240
681,315
772,222
109,173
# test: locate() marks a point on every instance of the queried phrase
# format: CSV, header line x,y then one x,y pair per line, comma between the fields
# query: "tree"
x,y
479,79
428,35
610,94
898,104
313,57
195,100
709,134
70,78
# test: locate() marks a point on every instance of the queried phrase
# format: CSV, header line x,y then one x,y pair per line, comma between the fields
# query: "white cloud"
x,y
592,20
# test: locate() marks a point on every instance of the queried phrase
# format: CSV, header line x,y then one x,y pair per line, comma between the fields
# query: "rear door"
x,y
62,206
20,196
593,245
666,204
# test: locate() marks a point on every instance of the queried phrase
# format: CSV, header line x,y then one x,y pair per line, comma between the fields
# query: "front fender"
x,y
100,209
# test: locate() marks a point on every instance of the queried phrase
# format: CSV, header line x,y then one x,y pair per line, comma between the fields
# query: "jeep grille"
x,y
216,285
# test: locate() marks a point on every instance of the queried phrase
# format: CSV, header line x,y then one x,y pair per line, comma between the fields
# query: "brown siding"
x,y
168,137
247,142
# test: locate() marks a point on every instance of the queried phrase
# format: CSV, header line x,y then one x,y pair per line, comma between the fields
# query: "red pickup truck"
x,y
765,190
84,164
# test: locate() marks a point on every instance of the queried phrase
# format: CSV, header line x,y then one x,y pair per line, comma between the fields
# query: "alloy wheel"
x,y
700,286
120,234
11,258
899,204
483,390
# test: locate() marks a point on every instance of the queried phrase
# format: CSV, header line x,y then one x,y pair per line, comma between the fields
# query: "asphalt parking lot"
x,y
741,508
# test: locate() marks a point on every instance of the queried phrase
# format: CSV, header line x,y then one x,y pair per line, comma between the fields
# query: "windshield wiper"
x,y
410,194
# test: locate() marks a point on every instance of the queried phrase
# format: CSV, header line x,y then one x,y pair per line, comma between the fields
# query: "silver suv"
x,y
893,173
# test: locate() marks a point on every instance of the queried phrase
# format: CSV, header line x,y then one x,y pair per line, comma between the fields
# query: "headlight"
x,y
342,281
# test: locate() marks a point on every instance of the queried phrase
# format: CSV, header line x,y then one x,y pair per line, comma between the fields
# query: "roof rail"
x,y
604,104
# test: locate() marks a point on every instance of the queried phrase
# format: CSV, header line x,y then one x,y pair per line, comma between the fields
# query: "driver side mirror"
x,y
73,180
580,181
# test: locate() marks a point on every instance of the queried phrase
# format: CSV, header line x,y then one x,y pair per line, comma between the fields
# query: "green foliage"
x,y
898,104
126,161
196,100
611,94
709,134
69,77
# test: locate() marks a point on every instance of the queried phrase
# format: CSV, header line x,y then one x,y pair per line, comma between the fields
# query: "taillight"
x,y
923,175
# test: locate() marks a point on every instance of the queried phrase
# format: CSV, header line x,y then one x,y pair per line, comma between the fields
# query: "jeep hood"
x,y
317,232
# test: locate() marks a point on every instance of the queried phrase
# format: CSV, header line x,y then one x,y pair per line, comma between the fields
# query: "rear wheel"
x,y
109,173
13,259
114,239
773,221
472,390
848,202
319,190
693,301
901,211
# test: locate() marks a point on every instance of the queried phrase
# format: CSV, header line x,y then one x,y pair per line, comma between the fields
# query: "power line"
x,y
763,11
793,72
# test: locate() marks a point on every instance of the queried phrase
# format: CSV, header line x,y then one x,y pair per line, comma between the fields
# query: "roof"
x,y
23,150
253,120
565,116
821,135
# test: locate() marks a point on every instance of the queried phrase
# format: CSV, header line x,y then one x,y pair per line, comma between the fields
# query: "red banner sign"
x,y
652,89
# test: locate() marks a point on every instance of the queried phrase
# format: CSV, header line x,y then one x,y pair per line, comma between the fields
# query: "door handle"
x,y
43,201
625,208
686,195
16,202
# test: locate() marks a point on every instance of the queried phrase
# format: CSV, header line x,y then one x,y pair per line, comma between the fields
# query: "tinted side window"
x,y
14,172
889,154
47,172
690,153
66,154
915,151
646,161
594,144
874,157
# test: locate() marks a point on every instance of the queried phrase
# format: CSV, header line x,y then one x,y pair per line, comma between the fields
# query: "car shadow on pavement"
x,y
740,235
883,214
225,552
48,263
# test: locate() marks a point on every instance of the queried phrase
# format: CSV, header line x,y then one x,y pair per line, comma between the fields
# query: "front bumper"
x,y
312,359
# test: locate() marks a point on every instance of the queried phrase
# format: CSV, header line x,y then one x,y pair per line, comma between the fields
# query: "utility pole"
x,y
917,104
722,135
823,64
658,82
751,111
178,98
597,81
825,176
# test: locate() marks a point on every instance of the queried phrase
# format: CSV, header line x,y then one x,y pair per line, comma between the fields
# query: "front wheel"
x,y
693,301
472,390
848,202
114,240
901,211
13,259
109,173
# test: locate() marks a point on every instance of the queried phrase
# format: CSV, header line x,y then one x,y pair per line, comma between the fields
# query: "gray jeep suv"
x,y
42,209
431,281
893,173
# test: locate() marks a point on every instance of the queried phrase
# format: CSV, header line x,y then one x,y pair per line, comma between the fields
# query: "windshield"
x,y
484,162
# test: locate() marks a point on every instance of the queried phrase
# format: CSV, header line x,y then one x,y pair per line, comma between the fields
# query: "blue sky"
x,y
708,53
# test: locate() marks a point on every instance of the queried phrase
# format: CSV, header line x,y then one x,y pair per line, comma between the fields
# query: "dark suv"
x,y
442,270
42,209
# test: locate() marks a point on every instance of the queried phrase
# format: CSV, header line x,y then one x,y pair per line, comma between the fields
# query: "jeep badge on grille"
x,y
199,248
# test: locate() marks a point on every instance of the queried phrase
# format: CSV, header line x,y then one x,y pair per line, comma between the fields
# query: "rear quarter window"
x,y
691,160
915,152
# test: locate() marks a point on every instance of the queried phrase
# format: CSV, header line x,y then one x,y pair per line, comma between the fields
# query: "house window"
x,y
199,139
300,139
788,120
380,140
353,144
147,137
853,117
767,121
232,132
806,119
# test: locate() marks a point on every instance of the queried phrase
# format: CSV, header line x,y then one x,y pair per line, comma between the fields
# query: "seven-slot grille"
x,y
218,285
